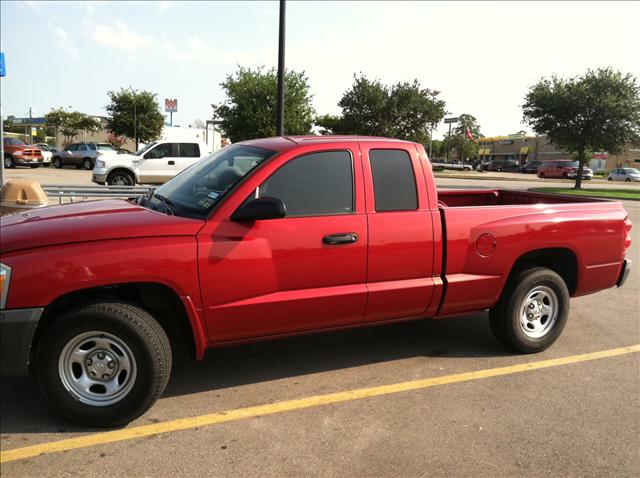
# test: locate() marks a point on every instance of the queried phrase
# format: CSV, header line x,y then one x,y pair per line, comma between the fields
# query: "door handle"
x,y
343,238
171,163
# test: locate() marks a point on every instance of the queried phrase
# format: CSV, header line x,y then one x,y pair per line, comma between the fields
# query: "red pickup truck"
x,y
282,236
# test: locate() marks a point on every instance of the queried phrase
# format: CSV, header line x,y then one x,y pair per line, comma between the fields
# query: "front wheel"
x,y
609,179
120,178
87,164
532,311
8,161
104,364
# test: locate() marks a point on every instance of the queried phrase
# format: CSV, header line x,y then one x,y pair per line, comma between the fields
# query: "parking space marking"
x,y
296,404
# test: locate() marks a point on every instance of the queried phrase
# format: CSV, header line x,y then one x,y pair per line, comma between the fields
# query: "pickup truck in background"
x,y
17,153
155,163
282,236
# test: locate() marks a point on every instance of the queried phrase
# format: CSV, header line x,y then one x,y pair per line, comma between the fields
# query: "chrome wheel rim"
x,y
7,162
119,181
97,368
539,312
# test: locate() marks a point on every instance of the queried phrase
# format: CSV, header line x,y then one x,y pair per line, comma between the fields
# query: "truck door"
x,y
158,164
301,272
189,154
401,244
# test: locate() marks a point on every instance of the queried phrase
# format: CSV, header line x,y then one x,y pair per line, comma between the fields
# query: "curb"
x,y
541,190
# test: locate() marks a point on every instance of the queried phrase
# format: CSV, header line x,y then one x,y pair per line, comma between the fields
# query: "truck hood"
x,y
89,221
118,159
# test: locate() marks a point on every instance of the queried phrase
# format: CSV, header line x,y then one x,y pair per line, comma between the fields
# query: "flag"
x,y
469,135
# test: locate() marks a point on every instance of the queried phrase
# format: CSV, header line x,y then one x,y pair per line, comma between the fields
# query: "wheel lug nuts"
x,y
89,362
531,306
100,355
111,364
529,315
92,373
105,376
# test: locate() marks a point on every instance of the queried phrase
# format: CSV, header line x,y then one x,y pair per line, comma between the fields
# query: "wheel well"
x,y
160,301
560,260
120,170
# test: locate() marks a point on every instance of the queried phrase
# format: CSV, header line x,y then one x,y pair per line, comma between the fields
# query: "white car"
x,y
155,163
624,174
46,157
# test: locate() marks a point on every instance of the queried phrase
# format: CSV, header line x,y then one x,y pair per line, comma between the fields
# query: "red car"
x,y
283,236
17,153
563,169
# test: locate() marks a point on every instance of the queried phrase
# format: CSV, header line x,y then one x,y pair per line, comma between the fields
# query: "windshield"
x,y
632,171
105,147
13,141
144,149
198,188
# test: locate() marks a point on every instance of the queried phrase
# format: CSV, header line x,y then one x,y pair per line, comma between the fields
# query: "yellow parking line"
x,y
297,404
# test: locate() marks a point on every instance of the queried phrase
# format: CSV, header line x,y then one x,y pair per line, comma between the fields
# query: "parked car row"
x,y
624,174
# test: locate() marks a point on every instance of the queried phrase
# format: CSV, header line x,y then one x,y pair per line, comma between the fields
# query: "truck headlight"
x,y
5,277
99,164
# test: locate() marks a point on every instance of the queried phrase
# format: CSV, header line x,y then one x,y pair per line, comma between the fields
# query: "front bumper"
x,y
27,161
17,327
99,175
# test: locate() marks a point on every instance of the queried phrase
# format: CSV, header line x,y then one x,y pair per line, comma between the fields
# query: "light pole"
x,y
280,98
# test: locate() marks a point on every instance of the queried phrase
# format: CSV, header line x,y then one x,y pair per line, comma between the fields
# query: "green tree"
x,y
134,114
463,147
599,111
70,123
250,107
404,110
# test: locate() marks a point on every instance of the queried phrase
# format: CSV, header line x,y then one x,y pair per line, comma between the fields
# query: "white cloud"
x,y
64,41
120,37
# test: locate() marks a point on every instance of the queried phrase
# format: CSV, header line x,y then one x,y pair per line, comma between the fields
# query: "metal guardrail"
x,y
83,192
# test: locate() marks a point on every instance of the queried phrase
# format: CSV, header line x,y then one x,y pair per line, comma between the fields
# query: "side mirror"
x,y
260,209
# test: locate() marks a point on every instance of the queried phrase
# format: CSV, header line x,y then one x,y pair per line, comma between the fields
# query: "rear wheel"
x,y
8,161
104,364
120,178
499,169
87,164
57,163
532,311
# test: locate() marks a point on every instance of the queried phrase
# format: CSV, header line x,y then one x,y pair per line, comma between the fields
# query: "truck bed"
x,y
483,241
502,197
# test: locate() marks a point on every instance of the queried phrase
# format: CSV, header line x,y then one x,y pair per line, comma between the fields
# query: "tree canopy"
x,y
134,114
599,111
463,147
250,107
404,110
70,123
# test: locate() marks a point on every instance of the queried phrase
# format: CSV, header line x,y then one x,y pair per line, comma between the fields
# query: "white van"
x,y
155,163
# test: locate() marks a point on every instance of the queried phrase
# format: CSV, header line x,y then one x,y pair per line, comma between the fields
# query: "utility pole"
x,y
280,98
449,143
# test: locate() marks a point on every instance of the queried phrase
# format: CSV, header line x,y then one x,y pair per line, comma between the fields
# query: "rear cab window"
x,y
189,150
394,181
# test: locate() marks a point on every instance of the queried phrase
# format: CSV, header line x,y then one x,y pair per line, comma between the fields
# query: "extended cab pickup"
x,y
283,236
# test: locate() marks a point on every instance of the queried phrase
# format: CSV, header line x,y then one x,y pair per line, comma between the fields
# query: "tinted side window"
x,y
394,183
92,146
160,151
82,147
314,185
189,150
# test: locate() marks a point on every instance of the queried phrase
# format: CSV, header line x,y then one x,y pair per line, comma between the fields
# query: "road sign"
x,y
451,120
171,106
3,67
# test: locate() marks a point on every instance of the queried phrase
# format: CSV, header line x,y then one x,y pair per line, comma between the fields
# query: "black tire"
x,y
120,178
541,175
9,163
628,180
87,164
34,166
46,165
137,330
505,318
609,179
57,163
499,169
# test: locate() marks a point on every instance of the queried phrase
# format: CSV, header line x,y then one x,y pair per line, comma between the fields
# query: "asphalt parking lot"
x,y
428,398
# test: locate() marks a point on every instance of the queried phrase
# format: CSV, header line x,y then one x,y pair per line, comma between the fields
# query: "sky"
x,y
481,56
